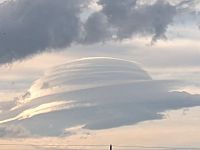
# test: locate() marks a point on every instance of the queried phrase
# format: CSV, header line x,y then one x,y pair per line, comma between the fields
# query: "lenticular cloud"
x,y
96,93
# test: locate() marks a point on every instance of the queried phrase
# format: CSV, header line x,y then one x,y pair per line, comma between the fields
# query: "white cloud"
x,y
109,93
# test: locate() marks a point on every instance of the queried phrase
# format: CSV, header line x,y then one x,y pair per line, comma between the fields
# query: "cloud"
x,y
30,27
129,19
188,5
96,29
13,131
106,93
4,106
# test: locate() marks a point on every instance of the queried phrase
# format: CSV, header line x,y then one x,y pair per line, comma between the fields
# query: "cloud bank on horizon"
x,y
30,27
86,93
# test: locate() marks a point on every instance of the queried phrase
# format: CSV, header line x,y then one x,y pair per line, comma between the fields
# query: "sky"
x,y
77,71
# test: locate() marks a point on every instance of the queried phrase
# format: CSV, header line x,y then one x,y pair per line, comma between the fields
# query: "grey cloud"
x,y
13,131
96,29
126,18
29,27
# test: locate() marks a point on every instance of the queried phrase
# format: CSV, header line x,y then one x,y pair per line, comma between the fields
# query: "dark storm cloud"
x,y
126,18
29,27
97,29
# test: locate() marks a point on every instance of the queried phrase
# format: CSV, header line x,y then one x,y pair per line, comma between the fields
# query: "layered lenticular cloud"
x,y
29,27
94,93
